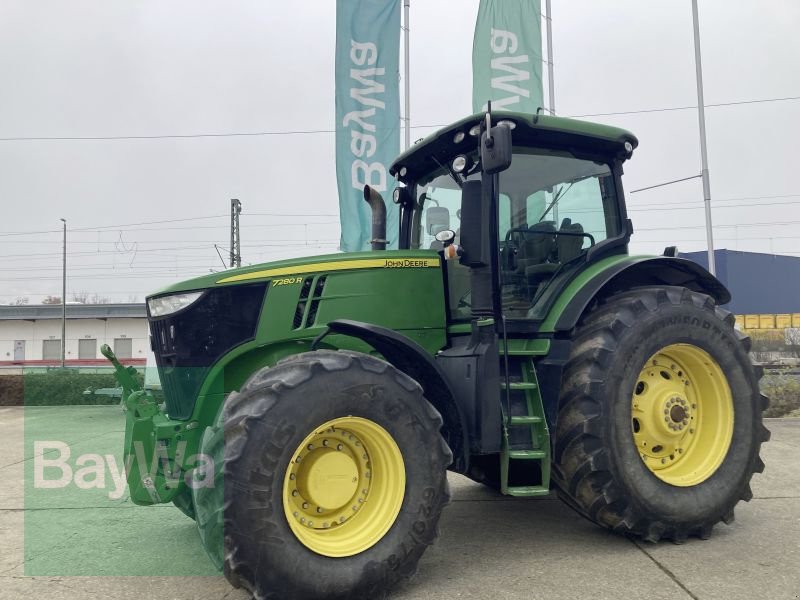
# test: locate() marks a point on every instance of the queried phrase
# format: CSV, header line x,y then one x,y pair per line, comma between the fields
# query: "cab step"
x,y
524,420
526,454
527,491
519,385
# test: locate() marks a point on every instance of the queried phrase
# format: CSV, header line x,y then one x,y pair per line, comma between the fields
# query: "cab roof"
x,y
559,133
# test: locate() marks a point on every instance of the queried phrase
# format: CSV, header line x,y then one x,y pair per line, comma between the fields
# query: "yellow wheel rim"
x,y
344,487
682,415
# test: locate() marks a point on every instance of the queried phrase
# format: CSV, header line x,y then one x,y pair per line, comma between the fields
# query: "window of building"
x,y
51,349
87,349
123,347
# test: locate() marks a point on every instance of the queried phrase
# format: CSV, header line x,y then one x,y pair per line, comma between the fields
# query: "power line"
x,y
652,207
674,108
678,227
329,131
102,228
99,227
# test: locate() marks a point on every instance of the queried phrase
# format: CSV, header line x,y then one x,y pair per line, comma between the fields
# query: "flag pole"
x,y
407,86
701,114
550,78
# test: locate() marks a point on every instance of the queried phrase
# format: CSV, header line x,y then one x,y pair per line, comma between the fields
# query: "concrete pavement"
x,y
490,547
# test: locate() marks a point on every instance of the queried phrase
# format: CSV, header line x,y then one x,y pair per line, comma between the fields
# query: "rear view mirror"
x,y
496,149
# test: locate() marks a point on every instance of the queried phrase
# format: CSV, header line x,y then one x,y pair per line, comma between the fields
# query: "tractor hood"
x,y
305,265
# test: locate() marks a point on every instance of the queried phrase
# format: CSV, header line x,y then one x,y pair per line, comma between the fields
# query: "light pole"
x,y
64,297
407,55
701,114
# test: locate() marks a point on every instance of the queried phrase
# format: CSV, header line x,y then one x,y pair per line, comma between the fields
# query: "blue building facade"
x,y
759,283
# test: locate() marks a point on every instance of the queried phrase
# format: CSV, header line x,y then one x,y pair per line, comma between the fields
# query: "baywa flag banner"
x,y
367,113
507,56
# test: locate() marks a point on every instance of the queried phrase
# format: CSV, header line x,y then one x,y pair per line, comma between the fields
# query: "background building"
x,y
31,335
759,283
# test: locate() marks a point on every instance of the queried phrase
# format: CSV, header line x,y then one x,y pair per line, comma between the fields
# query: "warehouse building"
x,y
31,335
759,283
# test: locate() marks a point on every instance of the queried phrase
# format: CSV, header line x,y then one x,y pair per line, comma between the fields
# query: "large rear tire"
x,y
334,477
659,427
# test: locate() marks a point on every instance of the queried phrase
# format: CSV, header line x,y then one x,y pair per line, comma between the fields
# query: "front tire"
x,y
334,479
659,427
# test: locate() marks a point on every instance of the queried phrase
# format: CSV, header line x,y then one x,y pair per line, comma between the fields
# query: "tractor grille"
x,y
187,343
301,319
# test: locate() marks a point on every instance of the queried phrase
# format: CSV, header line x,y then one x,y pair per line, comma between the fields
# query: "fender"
x,y
413,360
638,272
618,274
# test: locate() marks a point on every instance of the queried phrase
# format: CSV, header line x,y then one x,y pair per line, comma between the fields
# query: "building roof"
x,y
35,312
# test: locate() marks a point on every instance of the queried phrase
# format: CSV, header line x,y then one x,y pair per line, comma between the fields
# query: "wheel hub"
x,y
329,479
682,415
344,487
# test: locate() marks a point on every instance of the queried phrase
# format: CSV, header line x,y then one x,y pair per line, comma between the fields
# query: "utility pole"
x,y
701,114
64,298
550,78
236,238
406,37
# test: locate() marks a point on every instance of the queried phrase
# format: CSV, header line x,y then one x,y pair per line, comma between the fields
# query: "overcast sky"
x,y
146,68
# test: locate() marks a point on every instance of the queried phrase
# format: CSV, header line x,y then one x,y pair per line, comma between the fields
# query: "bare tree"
x,y
792,335
133,298
82,297
97,299
52,300
21,301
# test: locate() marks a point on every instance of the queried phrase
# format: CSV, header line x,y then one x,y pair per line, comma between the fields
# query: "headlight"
x,y
166,305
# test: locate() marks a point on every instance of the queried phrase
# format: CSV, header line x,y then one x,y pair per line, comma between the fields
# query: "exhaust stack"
x,y
378,206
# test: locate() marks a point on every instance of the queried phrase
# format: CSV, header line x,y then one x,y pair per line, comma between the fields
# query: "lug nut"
x,y
305,504
294,492
292,476
319,509
324,442
339,446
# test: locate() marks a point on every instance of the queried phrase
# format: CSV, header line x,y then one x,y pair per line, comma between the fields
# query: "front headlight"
x,y
166,305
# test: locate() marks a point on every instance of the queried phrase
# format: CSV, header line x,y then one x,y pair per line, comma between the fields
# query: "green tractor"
x,y
312,407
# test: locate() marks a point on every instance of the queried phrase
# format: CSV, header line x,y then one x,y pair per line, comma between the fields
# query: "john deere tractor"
x,y
312,407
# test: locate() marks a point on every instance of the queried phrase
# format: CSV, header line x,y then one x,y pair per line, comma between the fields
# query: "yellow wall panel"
x,y
751,321
766,321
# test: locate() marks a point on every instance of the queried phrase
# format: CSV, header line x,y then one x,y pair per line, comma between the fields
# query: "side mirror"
x,y
496,149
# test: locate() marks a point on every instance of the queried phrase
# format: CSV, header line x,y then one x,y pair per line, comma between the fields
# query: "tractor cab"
x,y
557,205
